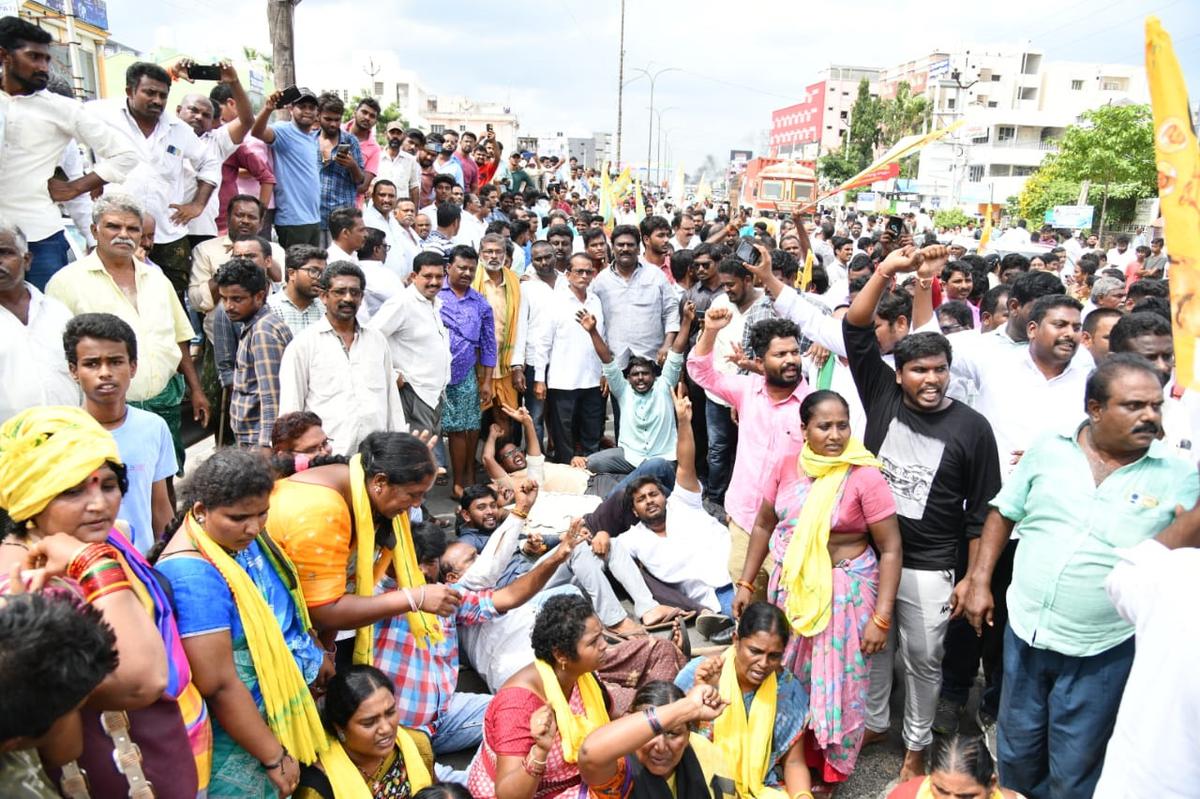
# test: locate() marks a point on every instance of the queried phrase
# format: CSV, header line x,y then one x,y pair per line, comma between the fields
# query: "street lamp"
x,y
658,158
653,76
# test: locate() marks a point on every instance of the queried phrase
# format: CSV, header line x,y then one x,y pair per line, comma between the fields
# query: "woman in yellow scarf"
x,y
760,733
247,636
342,520
962,769
538,719
818,518
61,484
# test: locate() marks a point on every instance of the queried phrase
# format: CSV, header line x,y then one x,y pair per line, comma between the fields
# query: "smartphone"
x,y
290,95
204,71
895,226
747,253
343,149
489,127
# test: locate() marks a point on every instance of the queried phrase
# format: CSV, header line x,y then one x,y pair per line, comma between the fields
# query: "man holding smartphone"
x,y
341,161
297,165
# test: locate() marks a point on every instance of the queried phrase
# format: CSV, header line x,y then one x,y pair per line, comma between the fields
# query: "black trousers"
x,y
580,408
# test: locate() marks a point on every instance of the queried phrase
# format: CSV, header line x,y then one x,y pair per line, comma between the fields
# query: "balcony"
x,y
1050,145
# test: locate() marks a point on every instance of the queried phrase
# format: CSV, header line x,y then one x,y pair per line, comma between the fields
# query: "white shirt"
x,y
336,253
1152,751
418,342
79,208
692,244
694,552
470,231
161,177
536,299
403,245
1181,422
382,285
564,357
1016,398
353,392
34,131
1120,260
723,345
33,369
220,146
403,170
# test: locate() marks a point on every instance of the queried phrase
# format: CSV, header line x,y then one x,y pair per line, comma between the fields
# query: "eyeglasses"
x,y
353,294
583,272
311,271
317,449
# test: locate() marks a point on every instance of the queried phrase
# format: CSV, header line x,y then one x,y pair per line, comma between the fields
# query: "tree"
x,y
1113,149
864,128
903,115
280,14
836,167
252,54
950,218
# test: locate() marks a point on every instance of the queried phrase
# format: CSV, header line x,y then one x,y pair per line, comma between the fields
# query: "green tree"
x,y
903,115
1113,149
836,167
388,114
950,218
864,128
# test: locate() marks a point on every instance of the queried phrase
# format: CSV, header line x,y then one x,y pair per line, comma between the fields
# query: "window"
x,y
1111,85
1005,133
999,170
771,190
975,173
1023,171
992,104
981,139
844,115
950,102
378,88
1076,85
437,128
1028,93
995,78
802,191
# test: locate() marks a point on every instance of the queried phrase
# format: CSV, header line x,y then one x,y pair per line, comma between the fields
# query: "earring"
x,y
377,490
199,520
341,736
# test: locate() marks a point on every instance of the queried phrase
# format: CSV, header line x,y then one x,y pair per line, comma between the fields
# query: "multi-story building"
x,y
590,151
821,121
80,31
1016,105
462,114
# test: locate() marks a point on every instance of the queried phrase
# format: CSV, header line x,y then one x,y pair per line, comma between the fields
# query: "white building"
x,y
1016,106
464,114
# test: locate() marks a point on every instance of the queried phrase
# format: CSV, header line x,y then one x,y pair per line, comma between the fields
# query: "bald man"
x,y
422,224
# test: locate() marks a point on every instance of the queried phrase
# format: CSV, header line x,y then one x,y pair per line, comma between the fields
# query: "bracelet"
x,y
652,719
277,763
800,794
743,584
520,514
536,770
421,601
925,282
881,622
87,557
103,578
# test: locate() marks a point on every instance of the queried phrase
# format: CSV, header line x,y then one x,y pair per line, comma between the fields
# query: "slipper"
x,y
684,617
443,479
709,624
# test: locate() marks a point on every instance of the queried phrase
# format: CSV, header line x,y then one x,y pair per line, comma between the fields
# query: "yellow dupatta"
x,y
512,303
807,572
414,764
423,626
926,791
745,739
572,729
291,712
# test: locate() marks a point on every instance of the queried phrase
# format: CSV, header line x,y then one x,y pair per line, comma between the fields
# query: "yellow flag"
x,y
639,205
1178,157
622,184
987,232
805,275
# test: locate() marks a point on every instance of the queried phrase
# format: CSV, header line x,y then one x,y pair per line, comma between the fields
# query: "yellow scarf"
x,y
926,791
807,572
291,712
745,741
512,303
367,572
572,729
46,450
414,764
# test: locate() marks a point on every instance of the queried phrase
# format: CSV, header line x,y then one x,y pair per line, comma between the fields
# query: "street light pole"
x,y
658,157
653,76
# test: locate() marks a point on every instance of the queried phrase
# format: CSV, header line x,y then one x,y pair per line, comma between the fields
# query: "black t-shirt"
x,y
942,466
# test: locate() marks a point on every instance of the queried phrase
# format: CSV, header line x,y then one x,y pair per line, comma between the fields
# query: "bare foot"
x,y
659,614
914,765
628,628
872,737
680,639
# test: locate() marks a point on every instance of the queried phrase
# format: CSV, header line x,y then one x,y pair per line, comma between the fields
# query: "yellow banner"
x,y
986,236
1178,157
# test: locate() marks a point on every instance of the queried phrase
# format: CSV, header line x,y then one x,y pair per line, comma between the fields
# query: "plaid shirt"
x,y
338,188
254,403
426,678
762,309
291,315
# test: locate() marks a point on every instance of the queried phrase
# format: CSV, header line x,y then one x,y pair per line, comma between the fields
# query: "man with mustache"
x,y
176,173
340,370
939,458
1082,497
111,280
40,125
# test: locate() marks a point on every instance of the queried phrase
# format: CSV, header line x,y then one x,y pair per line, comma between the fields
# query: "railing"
x,y
1048,146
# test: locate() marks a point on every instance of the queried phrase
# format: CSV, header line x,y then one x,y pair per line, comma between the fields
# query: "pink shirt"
x,y
866,497
767,430
371,152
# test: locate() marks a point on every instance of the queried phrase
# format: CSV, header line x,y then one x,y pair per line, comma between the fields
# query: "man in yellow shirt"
x,y
111,280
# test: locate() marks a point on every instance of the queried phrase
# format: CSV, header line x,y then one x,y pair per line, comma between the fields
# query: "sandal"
x,y
684,617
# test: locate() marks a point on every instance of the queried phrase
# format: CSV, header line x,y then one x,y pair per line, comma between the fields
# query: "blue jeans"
x,y
722,441
1057,713
725,597
537,409
459,727
49,255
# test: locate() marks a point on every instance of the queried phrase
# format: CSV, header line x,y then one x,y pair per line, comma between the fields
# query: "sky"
x,y
731,63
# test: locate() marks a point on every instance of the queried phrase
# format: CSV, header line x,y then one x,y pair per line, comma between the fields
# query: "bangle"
x,y
652,719
412,603
87,557
925,282
520,514
743,584
536,770
421,601
103,578
880,622
272,766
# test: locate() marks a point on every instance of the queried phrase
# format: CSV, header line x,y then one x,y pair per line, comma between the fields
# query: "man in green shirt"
x,y
1079,497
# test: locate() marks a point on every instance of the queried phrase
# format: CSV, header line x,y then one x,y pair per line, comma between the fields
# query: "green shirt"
x,y
1071,530
647,420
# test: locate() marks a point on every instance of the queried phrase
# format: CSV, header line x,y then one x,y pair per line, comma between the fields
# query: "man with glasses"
x,y
567,369
299,304
340,370
299,433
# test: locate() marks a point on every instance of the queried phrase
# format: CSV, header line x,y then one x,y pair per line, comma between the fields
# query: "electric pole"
x,y
620,84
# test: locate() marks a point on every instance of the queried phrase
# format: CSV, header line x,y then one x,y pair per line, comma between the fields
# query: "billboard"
x,y
800,123
93,12
738,160
1070,216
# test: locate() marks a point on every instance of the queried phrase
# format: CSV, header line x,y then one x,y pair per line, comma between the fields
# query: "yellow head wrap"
x,y
46,450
